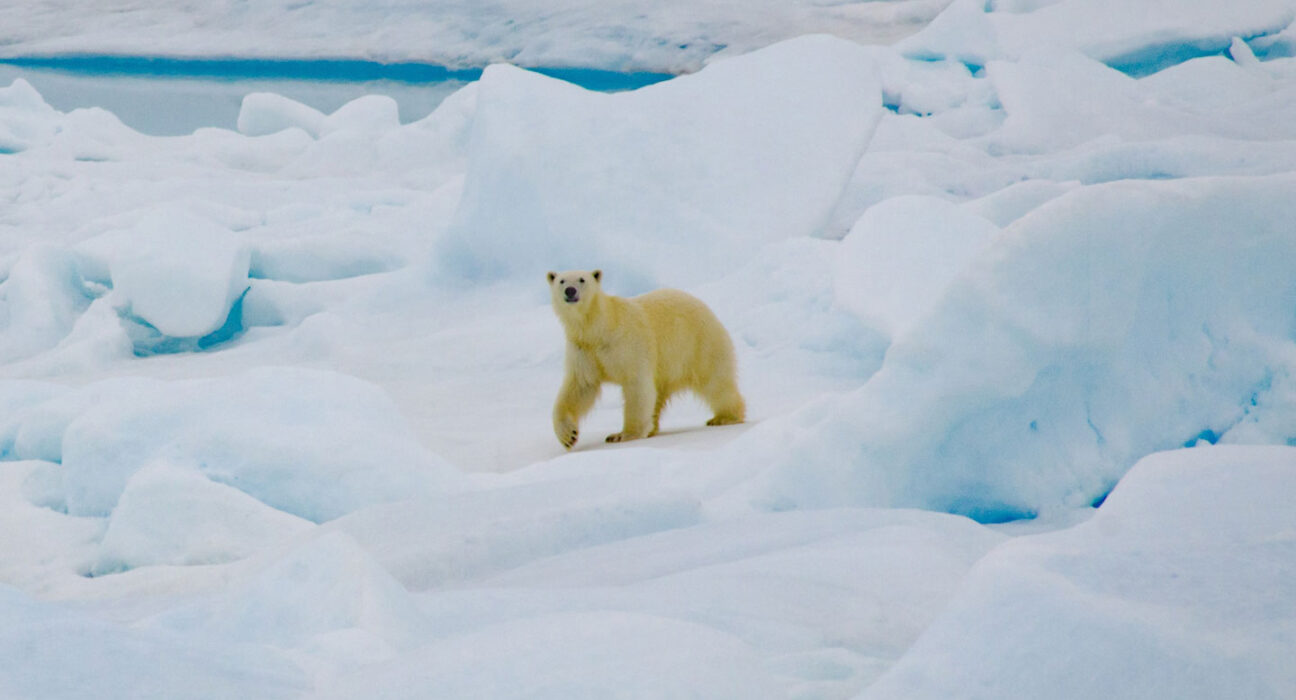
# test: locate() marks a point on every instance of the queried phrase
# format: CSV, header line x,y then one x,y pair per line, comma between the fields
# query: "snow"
x,y
1012,301
1169,589
691,142
902,255
1138,38
174,515
41,298
547,656
623,35
49,651
327,595
178,273
311,443
1111,322
25,116
726,595
264,113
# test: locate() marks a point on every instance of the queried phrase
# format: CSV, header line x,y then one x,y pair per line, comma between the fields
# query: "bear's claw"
x,y
566,432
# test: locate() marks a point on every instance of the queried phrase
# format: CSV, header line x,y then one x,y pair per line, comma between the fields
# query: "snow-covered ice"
x,y
667,164
1013,301
1175,588
175,515
311,443
177,273
673,35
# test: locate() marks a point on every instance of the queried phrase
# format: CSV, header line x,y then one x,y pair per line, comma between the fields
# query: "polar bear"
x,y
652,345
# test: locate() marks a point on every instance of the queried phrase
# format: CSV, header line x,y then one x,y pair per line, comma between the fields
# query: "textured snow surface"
x,y
1168,590
746,152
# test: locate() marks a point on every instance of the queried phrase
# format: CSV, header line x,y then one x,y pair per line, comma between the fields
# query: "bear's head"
x,y
572,287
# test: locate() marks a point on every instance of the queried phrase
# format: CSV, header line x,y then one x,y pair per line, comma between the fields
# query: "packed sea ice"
x,y
1015,313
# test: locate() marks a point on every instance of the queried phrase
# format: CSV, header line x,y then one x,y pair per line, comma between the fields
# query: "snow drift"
x,y
314,444
1167,591
744,153
1112,322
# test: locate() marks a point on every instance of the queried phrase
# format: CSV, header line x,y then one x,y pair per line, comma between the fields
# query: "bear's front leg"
x,y
640,396
575,399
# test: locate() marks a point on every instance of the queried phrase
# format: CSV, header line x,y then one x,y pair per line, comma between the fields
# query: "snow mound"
x,y
49,651
1138,38
40,301
179,273
269,153
902,255
433,542
39,426
879,578
24,117
574,655
782,304
93,135
1015,201
1168,591
327,595
672,181
371,114
1112,322
314,444
1053,101
17,400
173,515
264,113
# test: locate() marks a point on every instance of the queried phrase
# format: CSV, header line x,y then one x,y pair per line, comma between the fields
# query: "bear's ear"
x,y
598,275
552,275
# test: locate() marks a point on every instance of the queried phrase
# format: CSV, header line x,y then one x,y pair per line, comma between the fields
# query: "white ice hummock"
x,y
178,272
1167,591
314,444
744,153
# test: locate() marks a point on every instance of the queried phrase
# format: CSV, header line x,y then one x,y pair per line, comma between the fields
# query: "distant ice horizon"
x,y
674,36
168,69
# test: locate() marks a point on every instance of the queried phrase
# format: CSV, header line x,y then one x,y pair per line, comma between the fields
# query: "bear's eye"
x,y
582,280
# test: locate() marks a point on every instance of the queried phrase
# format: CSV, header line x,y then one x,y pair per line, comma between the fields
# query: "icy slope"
x,y
1173,589
1111,322
748,152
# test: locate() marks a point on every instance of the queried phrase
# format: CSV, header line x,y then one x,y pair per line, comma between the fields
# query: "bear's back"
x,y
691,342
671,311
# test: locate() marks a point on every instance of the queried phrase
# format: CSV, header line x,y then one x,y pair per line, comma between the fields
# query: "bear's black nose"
x,y
570,292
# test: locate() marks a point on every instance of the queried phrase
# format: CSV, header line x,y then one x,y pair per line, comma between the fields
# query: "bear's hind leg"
x,y
662,397
725,401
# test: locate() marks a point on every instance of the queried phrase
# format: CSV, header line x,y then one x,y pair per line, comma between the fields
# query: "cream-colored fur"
x,y
652,345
